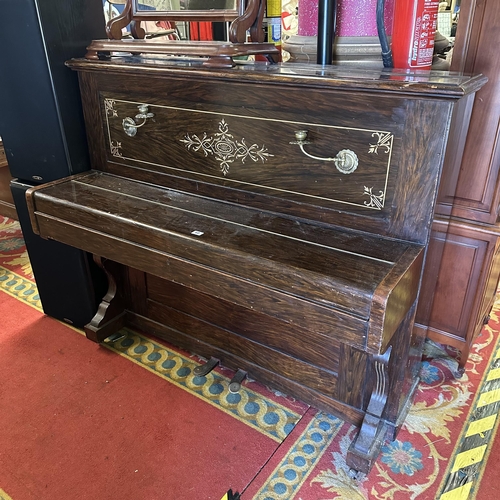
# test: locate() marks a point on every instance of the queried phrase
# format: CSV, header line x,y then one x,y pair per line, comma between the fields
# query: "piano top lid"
x,y
440,84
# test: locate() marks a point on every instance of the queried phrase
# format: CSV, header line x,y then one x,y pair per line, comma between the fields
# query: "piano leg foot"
x,y
110,316
462,360
366,447
355,474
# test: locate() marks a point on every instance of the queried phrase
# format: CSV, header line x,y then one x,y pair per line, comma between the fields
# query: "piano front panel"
x,y
235,142
256,154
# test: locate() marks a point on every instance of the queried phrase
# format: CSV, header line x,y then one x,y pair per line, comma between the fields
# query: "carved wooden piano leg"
x,y
110,316
366,446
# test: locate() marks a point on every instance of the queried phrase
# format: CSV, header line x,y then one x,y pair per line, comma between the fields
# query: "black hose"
x,y
382,36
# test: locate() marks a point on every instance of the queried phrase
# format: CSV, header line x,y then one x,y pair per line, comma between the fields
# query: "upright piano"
x,y
273,218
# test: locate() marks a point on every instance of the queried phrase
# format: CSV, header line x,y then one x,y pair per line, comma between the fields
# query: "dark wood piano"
x,y
273,218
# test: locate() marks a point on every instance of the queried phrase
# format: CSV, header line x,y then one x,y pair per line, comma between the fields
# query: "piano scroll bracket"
x,y
365,448
110,316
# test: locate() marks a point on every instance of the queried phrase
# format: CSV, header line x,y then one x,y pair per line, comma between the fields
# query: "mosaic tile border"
x,y
4,496
20,288
292,471
263,414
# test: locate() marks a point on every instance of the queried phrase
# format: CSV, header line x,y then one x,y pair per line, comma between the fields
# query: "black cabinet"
x,y
41,124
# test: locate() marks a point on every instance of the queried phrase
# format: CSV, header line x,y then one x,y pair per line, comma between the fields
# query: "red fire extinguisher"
x,y
415,23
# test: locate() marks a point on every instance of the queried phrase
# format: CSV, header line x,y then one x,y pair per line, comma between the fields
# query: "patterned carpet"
x,y
441,451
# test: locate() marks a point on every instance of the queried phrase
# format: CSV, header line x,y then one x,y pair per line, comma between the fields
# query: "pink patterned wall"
x,y
354,17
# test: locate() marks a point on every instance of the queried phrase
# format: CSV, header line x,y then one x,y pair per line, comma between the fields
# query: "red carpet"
x,y
80,422
130,421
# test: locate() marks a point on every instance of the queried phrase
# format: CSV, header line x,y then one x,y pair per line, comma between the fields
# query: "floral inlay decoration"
x,y
384,141
225,148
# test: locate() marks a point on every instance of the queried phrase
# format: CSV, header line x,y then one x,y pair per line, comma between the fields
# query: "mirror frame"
x,y
248,16
214,54
225,15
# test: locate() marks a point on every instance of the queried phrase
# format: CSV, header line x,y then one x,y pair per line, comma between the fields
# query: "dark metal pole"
x,y
327,16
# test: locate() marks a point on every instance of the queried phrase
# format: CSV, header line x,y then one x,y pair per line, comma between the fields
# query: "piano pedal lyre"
x,y
235,384
206,368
